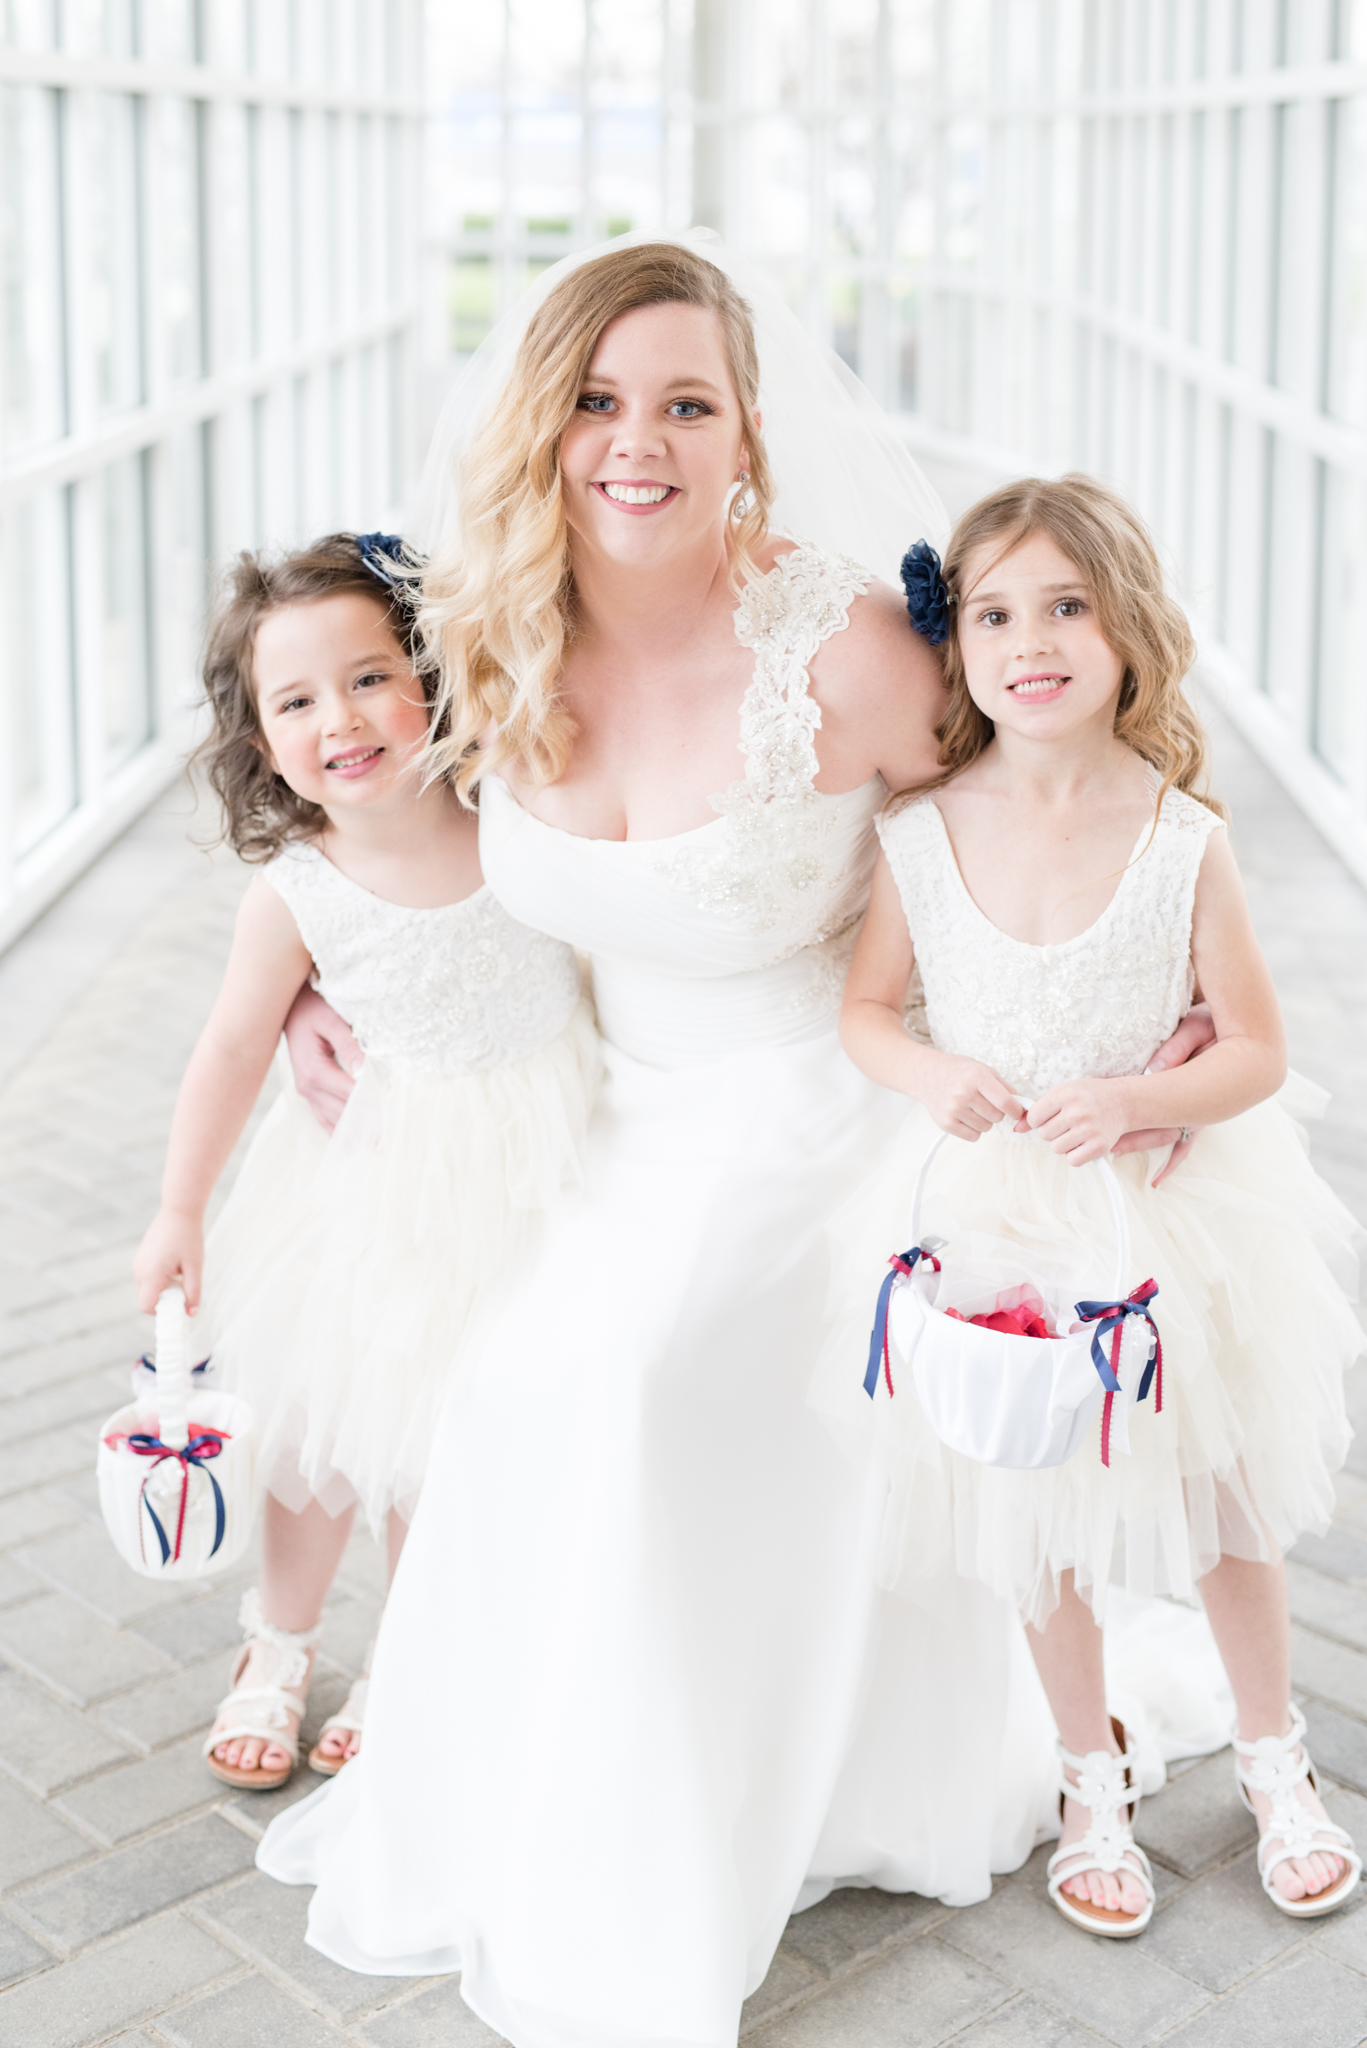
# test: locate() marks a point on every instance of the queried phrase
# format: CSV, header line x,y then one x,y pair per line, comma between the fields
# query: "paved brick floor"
x,y
131,1911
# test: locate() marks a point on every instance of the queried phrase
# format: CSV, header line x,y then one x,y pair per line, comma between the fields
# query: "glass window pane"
x,y
125,681
168,31
175,272
28,24
32,406
112,253
35,665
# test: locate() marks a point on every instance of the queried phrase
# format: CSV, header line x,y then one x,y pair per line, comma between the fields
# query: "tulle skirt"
x,y
345,1271
1254,1257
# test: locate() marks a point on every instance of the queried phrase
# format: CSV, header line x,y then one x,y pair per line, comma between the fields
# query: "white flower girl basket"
x,y
1002,1399
175,1469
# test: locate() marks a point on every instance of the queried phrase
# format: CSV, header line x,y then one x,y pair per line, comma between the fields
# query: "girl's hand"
x,y
173,1250
324,1055
1082,1121
965,1097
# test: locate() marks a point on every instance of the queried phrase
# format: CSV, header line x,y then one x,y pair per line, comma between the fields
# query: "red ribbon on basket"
x,y
1109,1317
901,1263
197,1451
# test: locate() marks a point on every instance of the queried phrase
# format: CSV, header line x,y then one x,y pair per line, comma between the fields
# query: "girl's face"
x,y
342,712
1034,659
657,439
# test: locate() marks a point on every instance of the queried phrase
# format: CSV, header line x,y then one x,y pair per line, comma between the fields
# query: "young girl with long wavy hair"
x,y
346,1267
1061,886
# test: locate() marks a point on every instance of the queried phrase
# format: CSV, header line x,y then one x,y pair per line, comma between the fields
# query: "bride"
x,y
636,1696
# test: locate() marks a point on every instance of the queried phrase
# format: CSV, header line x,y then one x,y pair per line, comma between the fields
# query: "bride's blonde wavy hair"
x,y
1139,622
498,599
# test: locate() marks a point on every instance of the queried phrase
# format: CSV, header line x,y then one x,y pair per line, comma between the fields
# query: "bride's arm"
x,y
324,1055
882,693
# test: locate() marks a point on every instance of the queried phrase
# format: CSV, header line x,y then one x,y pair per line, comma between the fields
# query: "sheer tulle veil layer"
x,y
845,479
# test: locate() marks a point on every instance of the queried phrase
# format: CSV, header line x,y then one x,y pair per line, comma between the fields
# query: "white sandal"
x,y
351,1718
1277,1765
1104,1786
263,1712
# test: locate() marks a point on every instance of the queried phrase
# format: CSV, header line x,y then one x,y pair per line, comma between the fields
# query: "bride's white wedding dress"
x,y
636,1695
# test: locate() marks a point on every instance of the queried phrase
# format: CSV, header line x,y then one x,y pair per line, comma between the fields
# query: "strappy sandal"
x,y
351,1718
1105,1787
1277,1765
263,1712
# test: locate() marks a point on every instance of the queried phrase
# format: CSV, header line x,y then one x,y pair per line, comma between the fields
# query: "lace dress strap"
x,y
784,617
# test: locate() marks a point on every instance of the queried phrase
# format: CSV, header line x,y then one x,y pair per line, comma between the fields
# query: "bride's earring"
x,y
739,504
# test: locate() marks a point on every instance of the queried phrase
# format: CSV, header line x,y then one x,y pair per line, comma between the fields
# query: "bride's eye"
x,y
595,401
688,409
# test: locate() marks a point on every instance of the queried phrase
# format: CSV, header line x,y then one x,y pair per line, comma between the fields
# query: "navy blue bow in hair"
x,y
388,556
927,597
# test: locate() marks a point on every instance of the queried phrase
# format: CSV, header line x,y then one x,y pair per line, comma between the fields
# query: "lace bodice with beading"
x,y
1098,1005
735,934
451,990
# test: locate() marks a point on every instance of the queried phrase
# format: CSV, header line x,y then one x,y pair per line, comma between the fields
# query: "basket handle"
x,y
173,1369
1112,1185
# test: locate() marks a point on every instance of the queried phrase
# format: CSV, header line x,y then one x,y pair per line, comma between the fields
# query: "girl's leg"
x,y
299,1559
1250,1620
343,1743
1067,1653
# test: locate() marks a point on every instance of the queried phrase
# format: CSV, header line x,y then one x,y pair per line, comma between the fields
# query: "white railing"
x,y
209,285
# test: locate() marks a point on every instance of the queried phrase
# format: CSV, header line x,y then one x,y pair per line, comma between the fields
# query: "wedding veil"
x,y
844,478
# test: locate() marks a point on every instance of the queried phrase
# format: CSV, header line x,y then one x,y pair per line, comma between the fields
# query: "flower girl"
x,y
1061,888
345,1268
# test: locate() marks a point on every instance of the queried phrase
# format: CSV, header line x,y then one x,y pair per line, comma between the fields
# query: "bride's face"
x,y
657,439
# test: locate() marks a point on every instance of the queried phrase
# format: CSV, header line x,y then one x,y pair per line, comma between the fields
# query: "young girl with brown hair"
x,y
1061,886
346,1267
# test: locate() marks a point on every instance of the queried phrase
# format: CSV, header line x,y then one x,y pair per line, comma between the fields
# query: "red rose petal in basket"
x,y
1012,1322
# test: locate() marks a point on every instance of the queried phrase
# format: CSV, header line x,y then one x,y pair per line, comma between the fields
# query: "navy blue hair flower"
x,y
394,562
927,597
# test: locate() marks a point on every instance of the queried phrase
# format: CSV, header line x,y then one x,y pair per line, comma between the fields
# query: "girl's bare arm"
x,y
222,1081
1245,1065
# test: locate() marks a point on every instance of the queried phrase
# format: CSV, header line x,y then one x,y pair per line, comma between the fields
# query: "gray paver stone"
x,y
32,1840
34,1513
1328,1605
254,1811
48,1456
45,1743
789,1980
268,1921
126,1802
1113,1986
253,2013
1338,1552
1197,1820
1222,1927
1338,1744
854,1924
83,1562
348,1626
436,2018
122,1982
1329,1670
86,1397
1025,2023
916,1997
201,1628
1309,2002
19,1953
65,1645
168,1707
130,1884
15,1583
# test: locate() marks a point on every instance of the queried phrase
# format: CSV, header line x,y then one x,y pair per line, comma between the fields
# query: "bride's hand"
x,y
1195,1032
324,1055
966,1098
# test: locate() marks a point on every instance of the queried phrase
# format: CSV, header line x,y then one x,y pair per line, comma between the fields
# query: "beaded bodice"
x,y
450,990
1098,1005
737,933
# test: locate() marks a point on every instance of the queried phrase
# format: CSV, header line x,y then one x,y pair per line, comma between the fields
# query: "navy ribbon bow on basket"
x,y
900,1262
197,1452
1109,1317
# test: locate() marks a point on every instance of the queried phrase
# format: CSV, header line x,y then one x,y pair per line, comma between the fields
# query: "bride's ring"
x,y
1184,1134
